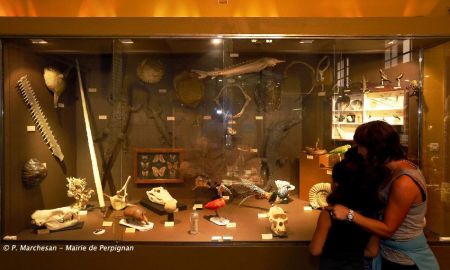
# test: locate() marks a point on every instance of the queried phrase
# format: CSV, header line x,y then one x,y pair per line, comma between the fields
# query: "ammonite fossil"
x,y
33,172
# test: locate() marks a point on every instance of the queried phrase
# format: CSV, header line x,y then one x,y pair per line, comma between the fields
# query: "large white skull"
x,y
55,219
159,195
278,220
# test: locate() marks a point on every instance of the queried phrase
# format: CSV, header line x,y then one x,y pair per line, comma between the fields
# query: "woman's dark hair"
x,y
381,140
356,184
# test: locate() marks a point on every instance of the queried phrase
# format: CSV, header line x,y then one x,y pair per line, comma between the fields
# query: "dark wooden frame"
x,y
167,154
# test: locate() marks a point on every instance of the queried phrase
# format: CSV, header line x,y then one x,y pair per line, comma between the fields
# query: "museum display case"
x,y
199,140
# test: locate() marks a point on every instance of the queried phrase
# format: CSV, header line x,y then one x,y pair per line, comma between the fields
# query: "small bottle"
x,y
194,222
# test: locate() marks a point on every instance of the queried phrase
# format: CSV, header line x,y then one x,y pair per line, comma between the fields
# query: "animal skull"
x,y
278,220
55,219
159,195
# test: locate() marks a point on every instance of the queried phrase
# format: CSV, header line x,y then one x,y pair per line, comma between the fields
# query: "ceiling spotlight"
x,y
216,41
126,41
254,40
306,41
268,41
391,42
38,41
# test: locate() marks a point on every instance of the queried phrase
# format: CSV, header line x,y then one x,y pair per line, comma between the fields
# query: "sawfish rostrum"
x,y
242,68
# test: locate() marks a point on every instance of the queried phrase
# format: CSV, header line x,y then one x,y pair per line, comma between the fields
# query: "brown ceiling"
x,y
234,8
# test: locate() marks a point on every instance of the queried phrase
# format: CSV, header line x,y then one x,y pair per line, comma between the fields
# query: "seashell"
x,y
189,89
33,172
318,195
150,71
54,80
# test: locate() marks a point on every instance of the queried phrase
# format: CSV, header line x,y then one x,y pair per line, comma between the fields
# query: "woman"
x,y
343,245
404,193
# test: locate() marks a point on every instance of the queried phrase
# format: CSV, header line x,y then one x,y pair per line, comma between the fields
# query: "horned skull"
x,y
278,220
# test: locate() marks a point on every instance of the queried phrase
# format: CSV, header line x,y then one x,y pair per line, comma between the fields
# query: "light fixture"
x,y
38,41
391,42
126,41
427,76
216,41
219,111
268,41
254,40
306,41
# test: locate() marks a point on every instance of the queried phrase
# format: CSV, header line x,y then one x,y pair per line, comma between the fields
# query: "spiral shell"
x,y
318,195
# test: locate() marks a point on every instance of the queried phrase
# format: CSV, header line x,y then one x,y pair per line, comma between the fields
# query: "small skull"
x,y
278,220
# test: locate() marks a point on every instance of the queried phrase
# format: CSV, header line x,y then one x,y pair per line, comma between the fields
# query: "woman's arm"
x,y
404,192
372,247
320,234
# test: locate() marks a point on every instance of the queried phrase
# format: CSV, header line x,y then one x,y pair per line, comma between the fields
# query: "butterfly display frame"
x,y
157,165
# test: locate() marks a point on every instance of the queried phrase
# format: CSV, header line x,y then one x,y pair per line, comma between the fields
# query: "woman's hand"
x,y
338,211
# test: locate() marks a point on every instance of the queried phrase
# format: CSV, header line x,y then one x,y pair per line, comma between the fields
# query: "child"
x,y
342,244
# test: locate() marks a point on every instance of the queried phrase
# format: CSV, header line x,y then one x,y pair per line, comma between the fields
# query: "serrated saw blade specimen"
x,y
39,119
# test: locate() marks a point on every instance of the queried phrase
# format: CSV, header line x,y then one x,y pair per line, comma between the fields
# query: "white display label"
x,y
259,117
234,55
263,215
266,236
170,118
169,224
60,105
309,156
321,94
207,117
82,213
92,90
226,198
162,91
10,237
307,208
231,80
329,172
254,150
44,164
130,230
107,223
198,206
31,128
444,238
228,238
102,117
231,225
216,238
231,122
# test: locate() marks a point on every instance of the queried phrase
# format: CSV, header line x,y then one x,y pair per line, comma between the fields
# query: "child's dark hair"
x,y
356,184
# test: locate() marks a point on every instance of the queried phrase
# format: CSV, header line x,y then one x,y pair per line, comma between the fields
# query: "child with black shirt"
x,y
342,244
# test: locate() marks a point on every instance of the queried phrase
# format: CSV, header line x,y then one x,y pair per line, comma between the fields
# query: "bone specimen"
x,y
54,80
243,68
119,201
55,219
28,95
77,189
33,172
150,71
247,99
161,196
278,220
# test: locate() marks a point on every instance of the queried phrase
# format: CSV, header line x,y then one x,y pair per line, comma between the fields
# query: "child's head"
x,y
355,184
